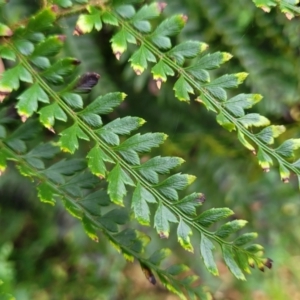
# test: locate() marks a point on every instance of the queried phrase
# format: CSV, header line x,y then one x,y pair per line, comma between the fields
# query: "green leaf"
x,y
7,53
139,59
75,185
90,229
142,143
160,72
109,137
187,49
217,92
284,173
64,167
69,138
104,104
119,42
231,263
147,12
166,28
63,3
245,238
237,104
242,261
41,21
254,120
41,151
177,269
3,164
227,229
211,61
10,78
62,68
123,126
224,122
264,160
161,220
206,247
140,206
183,233
96,164
73,208
117,179
26,131
182,89
208,104
142,26
288,147
125,11
92,202
242,139
109,18
46,193
86,22
189,203
49,113
229,81
213,215
48,47
72,99
254,248
159,255
28,100
158,165
114,217
47,151
24,46
268,134
175,182
5,31
40,62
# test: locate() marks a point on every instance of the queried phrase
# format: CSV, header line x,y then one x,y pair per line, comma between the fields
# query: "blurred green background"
x,y
44,252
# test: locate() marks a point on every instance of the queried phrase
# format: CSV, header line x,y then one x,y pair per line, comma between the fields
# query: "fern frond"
x,y
288,7
194,78
116,159
80,193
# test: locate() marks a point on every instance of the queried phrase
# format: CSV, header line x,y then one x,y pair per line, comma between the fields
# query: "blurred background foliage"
x,y
45,254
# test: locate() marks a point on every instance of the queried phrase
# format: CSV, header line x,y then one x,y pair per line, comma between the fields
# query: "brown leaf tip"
x,y
55,8
118,55
161,6
184,18
77,31
3,95
23,118
76,62
285,180
268,263
61,37
162,235
87,82
158,83
266,170
201,198
148,274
